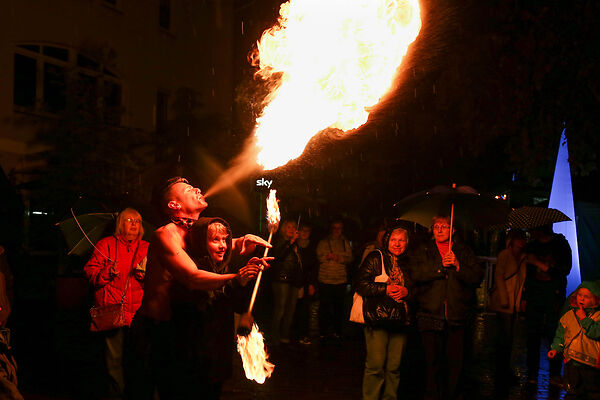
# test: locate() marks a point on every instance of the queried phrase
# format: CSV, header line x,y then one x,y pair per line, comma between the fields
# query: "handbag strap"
x,y
382,265
131,269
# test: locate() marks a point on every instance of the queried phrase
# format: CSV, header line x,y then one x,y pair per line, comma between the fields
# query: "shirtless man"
x,y
168,261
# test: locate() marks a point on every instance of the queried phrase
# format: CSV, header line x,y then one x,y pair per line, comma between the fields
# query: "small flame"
x,y
335,59
273,214
254,356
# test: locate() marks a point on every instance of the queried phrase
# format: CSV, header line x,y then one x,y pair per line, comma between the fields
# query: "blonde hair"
x,y
120,226
214,228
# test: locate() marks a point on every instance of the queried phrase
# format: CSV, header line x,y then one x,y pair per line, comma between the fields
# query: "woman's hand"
x,y
449,260
250,270
396,292
113,271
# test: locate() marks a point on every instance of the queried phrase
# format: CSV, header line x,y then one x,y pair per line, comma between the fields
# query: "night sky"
x,y
481,99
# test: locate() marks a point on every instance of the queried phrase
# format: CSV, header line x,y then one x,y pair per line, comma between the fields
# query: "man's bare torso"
x,y
156,303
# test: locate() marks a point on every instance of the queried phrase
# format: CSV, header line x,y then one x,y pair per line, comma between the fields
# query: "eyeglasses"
x,y
133,220
441,226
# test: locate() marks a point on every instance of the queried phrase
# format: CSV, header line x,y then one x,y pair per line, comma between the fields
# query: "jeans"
x,y
331,308
114,349
382,365
285,297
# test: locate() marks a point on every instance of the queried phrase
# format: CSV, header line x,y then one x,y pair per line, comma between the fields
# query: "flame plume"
x,y
335,59
252,347
254,356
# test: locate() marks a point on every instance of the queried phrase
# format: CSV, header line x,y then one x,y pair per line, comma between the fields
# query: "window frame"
x,y
72,68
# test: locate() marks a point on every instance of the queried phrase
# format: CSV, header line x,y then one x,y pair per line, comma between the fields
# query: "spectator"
x,y
8,367
548,265
287,279
116,271
578,338
308,305
386,313
446,279
334,254
505,300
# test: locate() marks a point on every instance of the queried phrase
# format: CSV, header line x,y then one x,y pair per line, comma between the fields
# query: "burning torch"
x,y
250,344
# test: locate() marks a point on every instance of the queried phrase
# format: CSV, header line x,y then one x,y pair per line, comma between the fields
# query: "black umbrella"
x,y
465,206
532,217
471,208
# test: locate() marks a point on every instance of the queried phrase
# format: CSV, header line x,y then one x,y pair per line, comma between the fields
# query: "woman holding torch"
x,y
203,320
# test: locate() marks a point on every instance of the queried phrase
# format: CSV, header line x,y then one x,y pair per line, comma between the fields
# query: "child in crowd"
x,y
578,338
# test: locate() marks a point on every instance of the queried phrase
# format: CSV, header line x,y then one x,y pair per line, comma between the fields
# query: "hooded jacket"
x,y
579,339
203,322
109,289
379,309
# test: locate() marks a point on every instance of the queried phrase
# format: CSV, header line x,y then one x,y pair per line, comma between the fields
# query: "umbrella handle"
x,y
451,226
88,239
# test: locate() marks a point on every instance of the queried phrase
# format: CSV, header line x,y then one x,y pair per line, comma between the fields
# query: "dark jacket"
x,y
202,321
547,290
310,263
287,266
444,293
379,309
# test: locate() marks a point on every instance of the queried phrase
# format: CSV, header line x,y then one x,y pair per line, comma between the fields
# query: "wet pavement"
x,y
327,371
333,370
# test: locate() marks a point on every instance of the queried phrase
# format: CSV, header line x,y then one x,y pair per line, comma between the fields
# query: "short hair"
x,y
440,216
160,195
120,225
215,228
515,234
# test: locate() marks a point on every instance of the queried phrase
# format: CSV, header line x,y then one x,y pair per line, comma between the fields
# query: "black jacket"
x,y
444,293
287,266
379,309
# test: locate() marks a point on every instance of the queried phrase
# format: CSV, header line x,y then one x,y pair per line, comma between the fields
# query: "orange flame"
x,y
254,356
336,59
273,215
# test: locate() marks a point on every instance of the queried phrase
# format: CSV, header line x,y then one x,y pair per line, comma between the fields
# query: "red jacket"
x,y
109,290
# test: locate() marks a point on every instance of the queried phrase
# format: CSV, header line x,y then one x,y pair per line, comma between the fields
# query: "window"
x,y
46,76
162,107
164,14
25,81
112,103
55,86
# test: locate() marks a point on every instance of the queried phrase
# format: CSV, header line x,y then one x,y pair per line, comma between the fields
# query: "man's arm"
x,y
499,282
247,244
170,254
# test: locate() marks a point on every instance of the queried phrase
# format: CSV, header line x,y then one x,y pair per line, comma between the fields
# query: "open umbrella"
x,y
467,207
82,232
532,217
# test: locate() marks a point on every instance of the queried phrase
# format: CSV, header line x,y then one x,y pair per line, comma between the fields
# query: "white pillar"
x,y
561,198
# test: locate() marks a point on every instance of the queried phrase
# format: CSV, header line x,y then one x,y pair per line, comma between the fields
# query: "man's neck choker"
x,y
183,222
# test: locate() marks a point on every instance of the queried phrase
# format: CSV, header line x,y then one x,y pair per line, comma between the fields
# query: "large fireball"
x,y
336,59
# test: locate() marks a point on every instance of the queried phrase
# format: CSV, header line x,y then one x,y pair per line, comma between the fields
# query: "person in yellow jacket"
x,y
578,338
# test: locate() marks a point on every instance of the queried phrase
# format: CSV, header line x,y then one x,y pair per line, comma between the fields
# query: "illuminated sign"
x,y
262,182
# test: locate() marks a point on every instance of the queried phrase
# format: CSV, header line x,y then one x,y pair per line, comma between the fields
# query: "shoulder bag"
x,y
356,313
112,316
